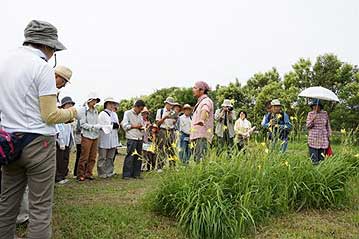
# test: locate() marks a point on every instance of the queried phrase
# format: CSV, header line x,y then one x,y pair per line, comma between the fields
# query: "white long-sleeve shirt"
x,y
108,136
65,135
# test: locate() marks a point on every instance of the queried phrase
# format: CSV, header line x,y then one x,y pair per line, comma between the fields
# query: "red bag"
x,y
329,151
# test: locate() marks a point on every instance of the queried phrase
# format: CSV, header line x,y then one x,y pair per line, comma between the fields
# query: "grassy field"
x,y
114,208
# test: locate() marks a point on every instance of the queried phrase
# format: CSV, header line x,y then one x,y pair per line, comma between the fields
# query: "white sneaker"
x,y
63,181
159,170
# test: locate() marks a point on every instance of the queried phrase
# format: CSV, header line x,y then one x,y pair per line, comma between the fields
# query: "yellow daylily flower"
x,y
232,101
357,155
286,163
152,148
191,145
263,144
343,131
266,151
173,158
135,153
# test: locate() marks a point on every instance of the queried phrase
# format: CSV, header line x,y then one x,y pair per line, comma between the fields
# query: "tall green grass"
x,y
229,194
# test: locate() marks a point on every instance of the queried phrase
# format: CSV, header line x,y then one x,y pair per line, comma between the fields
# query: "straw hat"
x,y
64,72
227,103
177,104
187,106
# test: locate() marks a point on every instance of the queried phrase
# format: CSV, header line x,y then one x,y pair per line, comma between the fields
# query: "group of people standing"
x,y
44,129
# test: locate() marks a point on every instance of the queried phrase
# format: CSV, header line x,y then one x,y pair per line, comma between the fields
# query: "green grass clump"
x,y
228,195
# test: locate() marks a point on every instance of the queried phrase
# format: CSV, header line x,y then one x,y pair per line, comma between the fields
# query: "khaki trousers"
x,y
35,168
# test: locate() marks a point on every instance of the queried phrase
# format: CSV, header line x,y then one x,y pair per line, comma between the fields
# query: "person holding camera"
x,y
108,139
225,118
166,119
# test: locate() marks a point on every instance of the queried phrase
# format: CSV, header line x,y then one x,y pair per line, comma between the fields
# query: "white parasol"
x,y
320,93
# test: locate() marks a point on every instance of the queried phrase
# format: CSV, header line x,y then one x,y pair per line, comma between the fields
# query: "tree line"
x,y
327,71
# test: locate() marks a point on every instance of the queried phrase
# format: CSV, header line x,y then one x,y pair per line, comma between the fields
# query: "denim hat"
x,y
44,33
66,100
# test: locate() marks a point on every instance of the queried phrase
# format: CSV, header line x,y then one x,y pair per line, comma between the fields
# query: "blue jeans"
x,y
185,152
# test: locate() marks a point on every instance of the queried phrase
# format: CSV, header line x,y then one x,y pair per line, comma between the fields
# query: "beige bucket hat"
x,y
64,72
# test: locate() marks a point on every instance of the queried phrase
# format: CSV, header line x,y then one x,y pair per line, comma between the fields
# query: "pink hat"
x,y
202,85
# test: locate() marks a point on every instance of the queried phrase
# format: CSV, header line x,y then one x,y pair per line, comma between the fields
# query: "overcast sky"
x,y
130,48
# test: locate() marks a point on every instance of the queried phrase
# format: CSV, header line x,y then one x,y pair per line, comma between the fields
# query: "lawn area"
x,y
114,208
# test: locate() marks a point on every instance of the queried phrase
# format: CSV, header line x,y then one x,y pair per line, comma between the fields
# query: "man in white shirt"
x,y
166,119
134,127
184,123
28,105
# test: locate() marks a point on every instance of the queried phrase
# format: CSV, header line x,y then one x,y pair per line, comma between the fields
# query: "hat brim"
x,y
69,102
97,99
111,101
223,105
54,44
63,76
167,102
187,108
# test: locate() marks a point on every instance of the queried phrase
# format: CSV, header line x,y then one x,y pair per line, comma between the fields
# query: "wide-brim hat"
x,y
64,72
44,33
227,103
93,96
275,102
66,100
187,106
177,104
169,100
110,99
